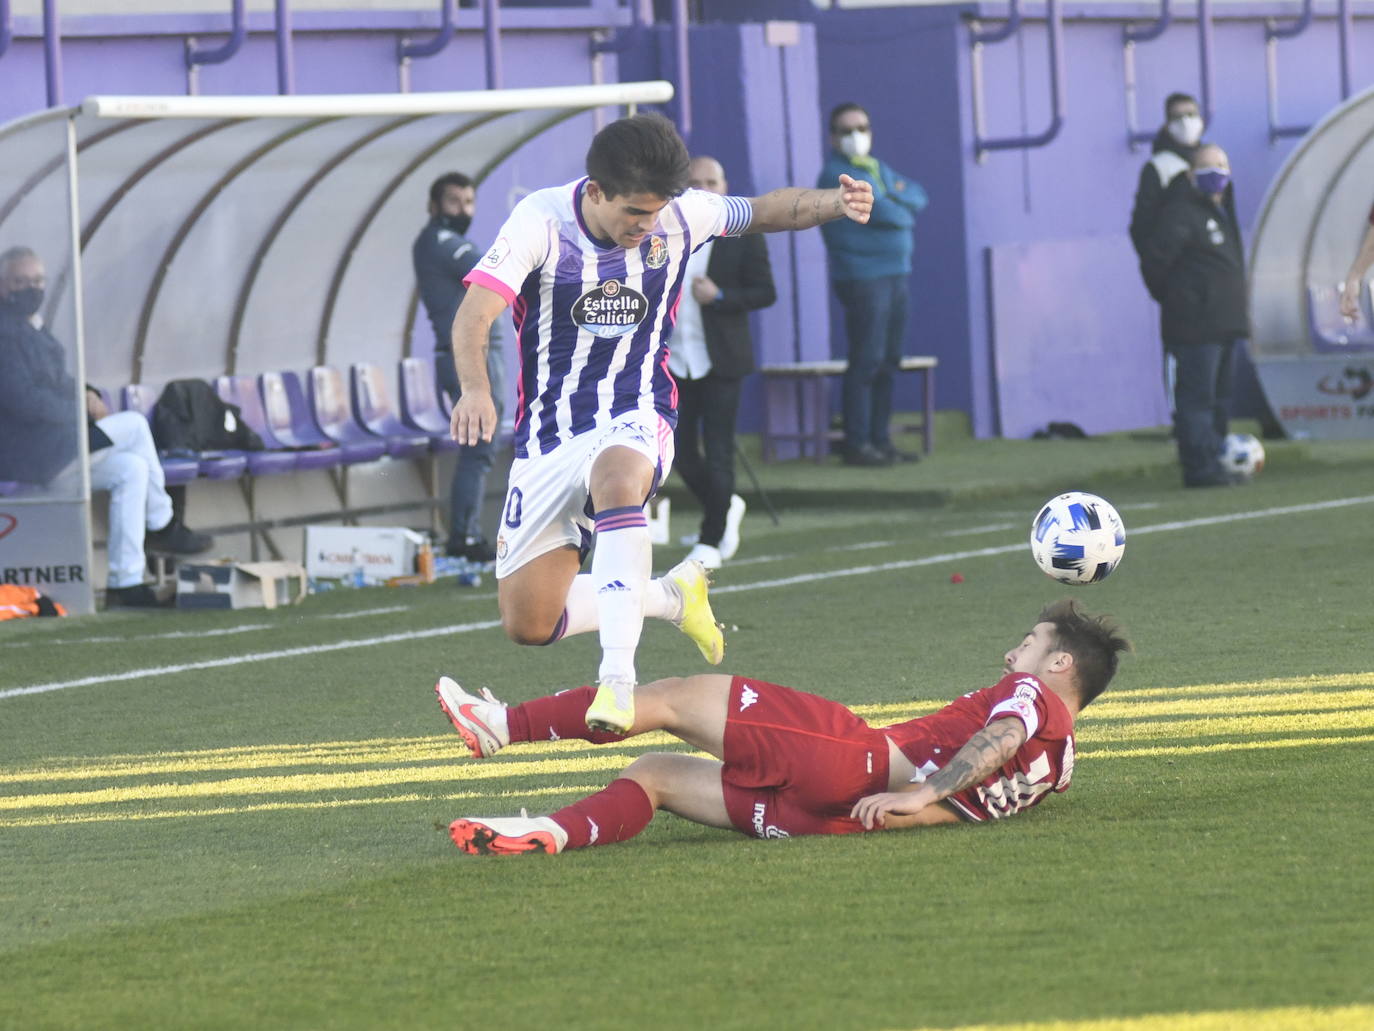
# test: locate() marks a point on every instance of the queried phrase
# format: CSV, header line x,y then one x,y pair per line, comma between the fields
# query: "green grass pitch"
x,y
238,820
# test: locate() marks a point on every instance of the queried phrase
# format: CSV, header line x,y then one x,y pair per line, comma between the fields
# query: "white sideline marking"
x,y
174,634
1007,549
884,567
169,635
285,653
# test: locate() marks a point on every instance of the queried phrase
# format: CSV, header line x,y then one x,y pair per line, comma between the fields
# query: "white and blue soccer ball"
x,y
1242,454
1077,538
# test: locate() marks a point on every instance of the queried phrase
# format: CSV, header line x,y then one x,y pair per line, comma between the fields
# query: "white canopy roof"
x,y
237,234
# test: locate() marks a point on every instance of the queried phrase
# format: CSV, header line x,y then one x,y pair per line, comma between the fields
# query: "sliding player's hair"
x,y
639,154
1095,642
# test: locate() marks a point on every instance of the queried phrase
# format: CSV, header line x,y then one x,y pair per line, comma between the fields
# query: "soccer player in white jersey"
x,y
593,270
788,763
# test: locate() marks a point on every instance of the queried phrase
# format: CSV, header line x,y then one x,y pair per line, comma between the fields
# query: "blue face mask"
x,y
1212,181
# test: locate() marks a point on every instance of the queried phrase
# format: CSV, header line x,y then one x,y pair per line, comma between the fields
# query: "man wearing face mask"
x,y
443,255
38,437
1173,150
870,266
1194,263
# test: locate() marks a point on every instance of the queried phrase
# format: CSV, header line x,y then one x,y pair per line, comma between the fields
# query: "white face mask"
x,y
856,144
1186,130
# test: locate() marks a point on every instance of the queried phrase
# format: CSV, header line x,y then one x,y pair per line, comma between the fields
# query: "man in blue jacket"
x,y
869,266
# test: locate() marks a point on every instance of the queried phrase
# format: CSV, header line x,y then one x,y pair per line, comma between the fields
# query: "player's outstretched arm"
x,y
793,207
985,752
474,416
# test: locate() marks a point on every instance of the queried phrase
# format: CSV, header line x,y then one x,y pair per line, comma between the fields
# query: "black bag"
x,y
190,416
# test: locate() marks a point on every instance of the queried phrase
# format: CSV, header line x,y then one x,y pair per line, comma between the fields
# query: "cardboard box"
x,y
377,552
226,584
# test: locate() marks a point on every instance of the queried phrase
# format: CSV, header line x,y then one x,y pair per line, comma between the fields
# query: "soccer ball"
x,y
1242,453
1077,538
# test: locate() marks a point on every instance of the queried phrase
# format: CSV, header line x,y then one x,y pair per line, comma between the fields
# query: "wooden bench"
x,y
811,381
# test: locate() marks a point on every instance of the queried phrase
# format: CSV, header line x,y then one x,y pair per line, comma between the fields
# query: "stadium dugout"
x,y
205,237
1316,367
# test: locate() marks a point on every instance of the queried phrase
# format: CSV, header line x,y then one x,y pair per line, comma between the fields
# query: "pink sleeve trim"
x,y
479,278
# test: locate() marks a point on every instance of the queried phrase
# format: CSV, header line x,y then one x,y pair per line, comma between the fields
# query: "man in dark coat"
x,y
442,255
712,351
1194,264
1171,156
39,423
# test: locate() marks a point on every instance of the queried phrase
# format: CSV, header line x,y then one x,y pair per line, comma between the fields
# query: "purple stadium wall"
x,y
1019,258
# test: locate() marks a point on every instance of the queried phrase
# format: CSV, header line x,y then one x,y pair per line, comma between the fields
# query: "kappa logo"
x,y
747,697
614,586
766,830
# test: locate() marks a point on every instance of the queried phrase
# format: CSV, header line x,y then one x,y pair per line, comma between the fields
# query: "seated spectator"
x,y
38,433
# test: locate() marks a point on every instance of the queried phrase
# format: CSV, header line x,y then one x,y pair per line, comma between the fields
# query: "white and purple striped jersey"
x,y
592,321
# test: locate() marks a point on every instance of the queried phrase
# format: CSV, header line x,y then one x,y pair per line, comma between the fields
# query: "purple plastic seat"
x,y
1331,332
291,425
420,404
372,407
328,396
8,488
242,392
138,397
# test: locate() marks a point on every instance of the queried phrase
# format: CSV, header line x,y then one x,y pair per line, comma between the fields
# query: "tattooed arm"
x,y
795,208
985,752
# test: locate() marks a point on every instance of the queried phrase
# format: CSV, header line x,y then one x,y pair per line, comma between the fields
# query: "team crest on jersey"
x,y
658,253
501,546
611,309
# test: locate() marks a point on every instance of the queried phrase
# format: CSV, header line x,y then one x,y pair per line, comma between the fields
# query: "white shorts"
x,y
548,503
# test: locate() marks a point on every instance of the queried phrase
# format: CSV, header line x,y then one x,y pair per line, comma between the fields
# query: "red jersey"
x,y
1043,763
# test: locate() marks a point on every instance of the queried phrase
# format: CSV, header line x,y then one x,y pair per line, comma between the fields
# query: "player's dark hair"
x,y
639,154
1095,642
437,188
1178,98
844,109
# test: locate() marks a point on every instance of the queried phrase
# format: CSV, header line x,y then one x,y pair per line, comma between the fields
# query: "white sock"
x,y
581,615
620,575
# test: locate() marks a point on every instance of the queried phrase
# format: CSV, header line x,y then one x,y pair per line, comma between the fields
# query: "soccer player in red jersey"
x,y
789,763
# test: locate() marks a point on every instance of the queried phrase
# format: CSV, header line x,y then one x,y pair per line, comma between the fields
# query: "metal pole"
x,y
286,64
491,39
684,69
6,27
52,52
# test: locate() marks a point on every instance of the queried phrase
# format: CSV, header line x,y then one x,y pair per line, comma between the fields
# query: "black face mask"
x,y
458,223
26,301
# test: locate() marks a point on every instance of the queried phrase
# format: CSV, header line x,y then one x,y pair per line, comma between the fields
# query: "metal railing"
x,y
978,38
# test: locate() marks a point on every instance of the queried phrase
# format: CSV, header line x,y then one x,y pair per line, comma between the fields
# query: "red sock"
x,y
615,813
557,716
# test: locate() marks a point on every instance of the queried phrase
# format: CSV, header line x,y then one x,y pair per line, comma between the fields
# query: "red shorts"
x,y
795,763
